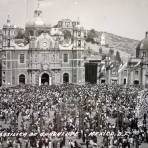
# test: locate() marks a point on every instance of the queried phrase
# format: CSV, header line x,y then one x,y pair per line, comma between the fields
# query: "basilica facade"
x,y
49,55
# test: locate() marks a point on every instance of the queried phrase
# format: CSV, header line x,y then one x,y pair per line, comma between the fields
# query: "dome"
x,y
8,23
37,21
143,45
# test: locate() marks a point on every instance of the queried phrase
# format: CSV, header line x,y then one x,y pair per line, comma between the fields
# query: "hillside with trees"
x,y
114,44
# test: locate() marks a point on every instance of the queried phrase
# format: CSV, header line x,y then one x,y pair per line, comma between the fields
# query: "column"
x,y
50,80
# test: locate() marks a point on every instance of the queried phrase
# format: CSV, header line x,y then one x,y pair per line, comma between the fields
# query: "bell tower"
x,y
78,36
8,33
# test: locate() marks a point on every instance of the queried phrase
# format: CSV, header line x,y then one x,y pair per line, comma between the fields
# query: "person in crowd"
x,y
72,108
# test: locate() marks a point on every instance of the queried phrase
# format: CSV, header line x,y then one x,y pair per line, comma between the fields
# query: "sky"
x,y
127,18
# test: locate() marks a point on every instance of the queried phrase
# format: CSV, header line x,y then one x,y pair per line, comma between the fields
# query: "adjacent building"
x,y
135,70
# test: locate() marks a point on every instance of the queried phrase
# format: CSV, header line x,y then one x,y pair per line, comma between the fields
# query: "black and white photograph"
x,y
73,73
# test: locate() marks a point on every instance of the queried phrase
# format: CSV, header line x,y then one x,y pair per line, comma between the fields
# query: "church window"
x,y
35,58
79,63
124,81
4,63
3,73
74,55
144,54
136,72
65,58
8,42
79,33
22,58
79,43
74,63
125,72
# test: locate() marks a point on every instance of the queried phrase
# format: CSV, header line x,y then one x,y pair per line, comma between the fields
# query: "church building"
x,y
135,70
49,55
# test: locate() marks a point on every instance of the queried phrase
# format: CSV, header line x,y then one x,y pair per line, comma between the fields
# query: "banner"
x,y
123,67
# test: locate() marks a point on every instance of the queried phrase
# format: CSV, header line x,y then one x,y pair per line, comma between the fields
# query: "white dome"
x,y
39,22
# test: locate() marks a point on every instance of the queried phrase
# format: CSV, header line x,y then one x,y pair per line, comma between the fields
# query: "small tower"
x,y
8,33
103,40
78,21
78,33
38,12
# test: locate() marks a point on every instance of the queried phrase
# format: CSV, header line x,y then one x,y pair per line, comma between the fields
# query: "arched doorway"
x,y
136,82
65,78
22,79
102,81
45,79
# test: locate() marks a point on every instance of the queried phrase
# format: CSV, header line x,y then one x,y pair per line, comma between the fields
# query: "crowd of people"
x,y
70,108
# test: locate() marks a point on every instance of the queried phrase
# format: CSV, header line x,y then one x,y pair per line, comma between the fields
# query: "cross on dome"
x,y
8,19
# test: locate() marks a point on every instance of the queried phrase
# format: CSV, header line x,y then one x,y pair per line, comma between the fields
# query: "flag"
x,y
122,67
137,65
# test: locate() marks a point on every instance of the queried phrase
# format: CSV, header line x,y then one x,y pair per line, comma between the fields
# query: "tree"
x,y
111,52
103,56
92,33
117,57
91,36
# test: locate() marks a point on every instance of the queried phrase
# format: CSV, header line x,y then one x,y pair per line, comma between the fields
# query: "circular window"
x,y
45,44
